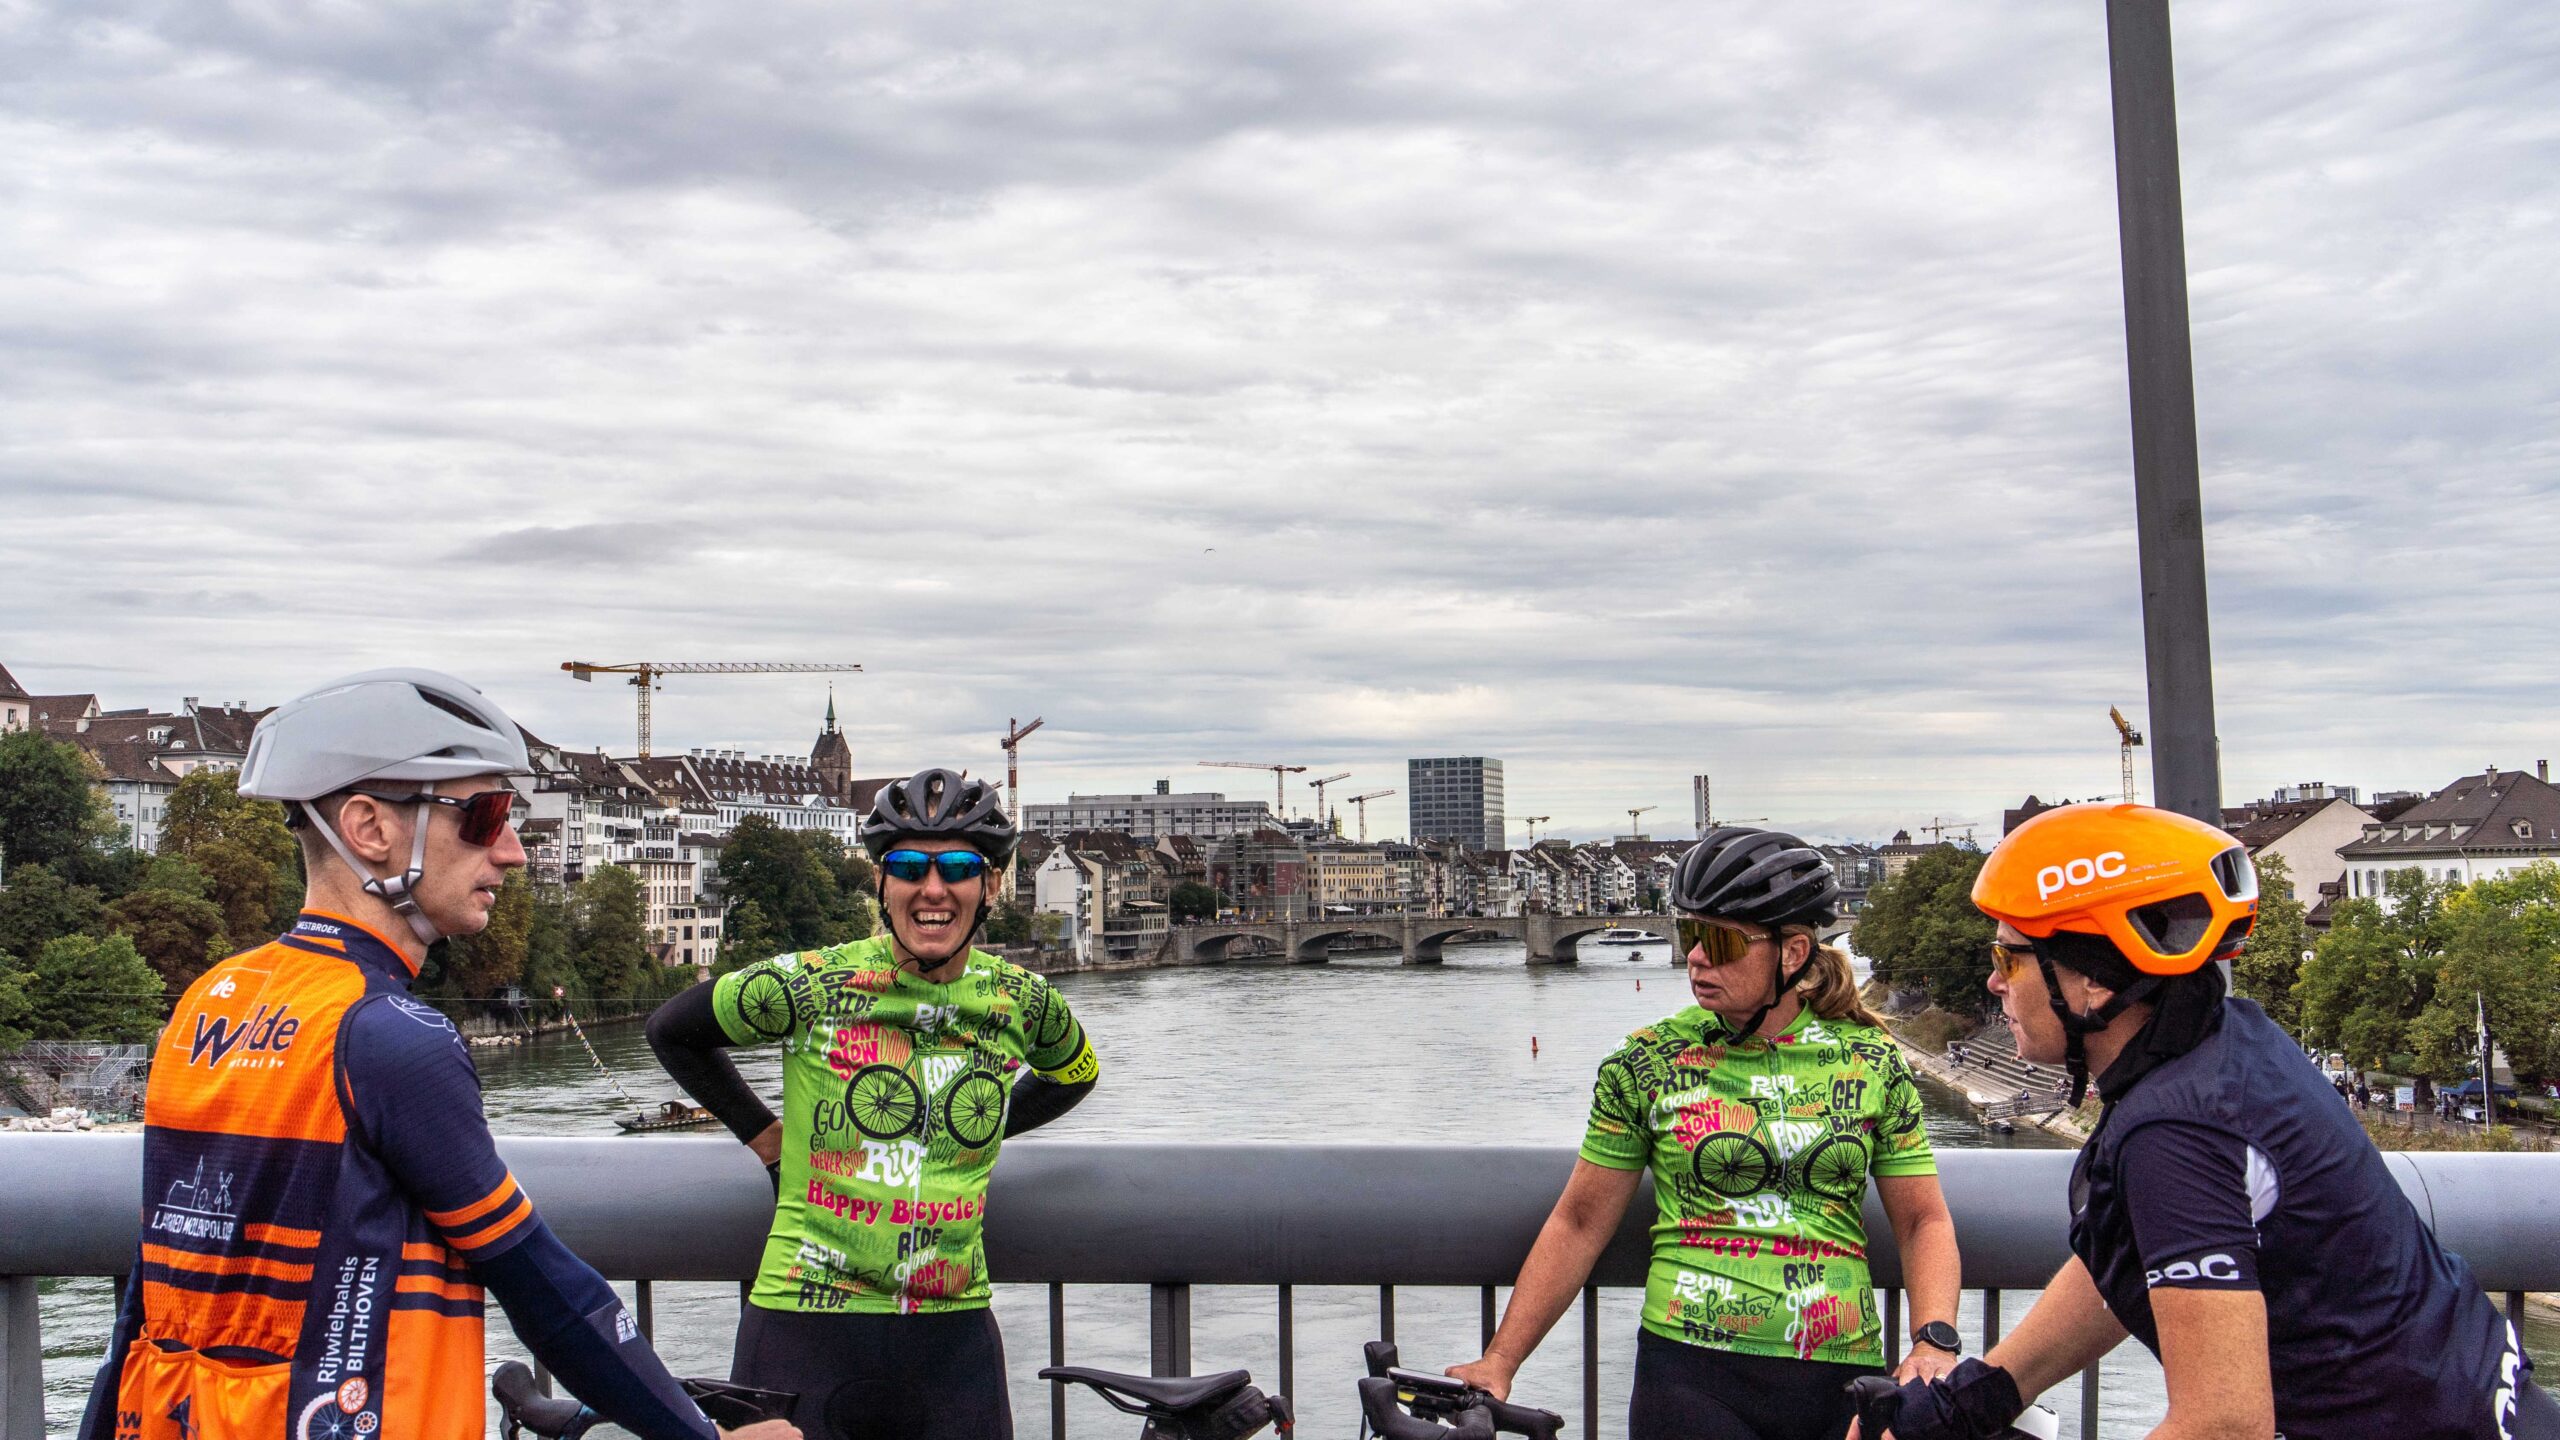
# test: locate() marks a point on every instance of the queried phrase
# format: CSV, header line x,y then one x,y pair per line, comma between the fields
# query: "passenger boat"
x,y
1621,935
673,1115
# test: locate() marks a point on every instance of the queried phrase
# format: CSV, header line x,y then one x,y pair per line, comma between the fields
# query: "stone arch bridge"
x,y
1550,939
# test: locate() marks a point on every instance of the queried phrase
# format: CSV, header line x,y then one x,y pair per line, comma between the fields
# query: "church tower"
x,y
832,755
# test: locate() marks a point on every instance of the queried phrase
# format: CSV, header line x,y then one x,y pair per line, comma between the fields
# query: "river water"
x,y
1374,1049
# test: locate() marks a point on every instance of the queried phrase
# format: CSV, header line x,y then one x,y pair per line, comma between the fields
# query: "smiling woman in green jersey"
x,y
908,1059
1762,1111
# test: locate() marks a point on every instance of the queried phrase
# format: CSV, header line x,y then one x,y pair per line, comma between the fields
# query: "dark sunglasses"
x,y
955,865
1721,944
2009,959
484,816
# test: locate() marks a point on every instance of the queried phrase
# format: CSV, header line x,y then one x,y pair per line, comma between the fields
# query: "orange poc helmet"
x,y
2169,893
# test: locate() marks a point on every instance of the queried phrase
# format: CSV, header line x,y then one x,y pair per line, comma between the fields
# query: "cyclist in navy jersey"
x,y
2228,1211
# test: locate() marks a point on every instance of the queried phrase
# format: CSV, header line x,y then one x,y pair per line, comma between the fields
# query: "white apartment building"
x,y
1200,814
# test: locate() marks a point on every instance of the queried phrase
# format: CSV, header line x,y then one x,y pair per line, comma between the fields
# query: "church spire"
x,y
831,709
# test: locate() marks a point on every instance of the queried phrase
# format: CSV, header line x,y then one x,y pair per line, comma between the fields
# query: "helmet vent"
x,y
2173,926
456,711
2237,877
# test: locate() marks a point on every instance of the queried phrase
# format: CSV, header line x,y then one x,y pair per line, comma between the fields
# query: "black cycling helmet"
x,y
938,804
1760,877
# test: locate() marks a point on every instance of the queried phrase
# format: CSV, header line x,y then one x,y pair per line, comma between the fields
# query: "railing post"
x,y
1387,1313
2089,1401
21,1360
1057,1356
1590,1359
1169,1329
1990,1320
1288,1339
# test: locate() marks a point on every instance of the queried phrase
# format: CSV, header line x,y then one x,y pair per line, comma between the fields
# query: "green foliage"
x,y
52,804
112,869
1193,901
180,935
608,946
2271,962
810,890
243,846
40,906
177,875
747,937
90,989
547,944
15,1007
487,963
1007,924
2502,945
2375,972
1920,928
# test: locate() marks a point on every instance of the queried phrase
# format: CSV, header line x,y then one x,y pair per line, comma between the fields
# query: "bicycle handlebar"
x,y
1477,1413
524,1407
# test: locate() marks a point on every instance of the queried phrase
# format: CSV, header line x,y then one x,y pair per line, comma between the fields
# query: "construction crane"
x,y
1632,812
1321,817
644,676
1361,803
2129,739
1014,730
1278,780
1534,821
1939,828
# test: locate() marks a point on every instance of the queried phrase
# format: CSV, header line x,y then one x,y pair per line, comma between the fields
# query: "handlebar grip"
x,y
1874,1397
1526,1420
1381,1355
1387,1418
556,1416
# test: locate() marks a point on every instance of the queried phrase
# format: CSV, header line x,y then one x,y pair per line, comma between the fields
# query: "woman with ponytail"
x,y
1763,1111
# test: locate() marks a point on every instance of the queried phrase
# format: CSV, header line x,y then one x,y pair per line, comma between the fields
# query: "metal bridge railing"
x,y
1175,1216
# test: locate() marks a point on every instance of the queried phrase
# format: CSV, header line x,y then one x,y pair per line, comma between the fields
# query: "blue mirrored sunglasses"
x,y
955,865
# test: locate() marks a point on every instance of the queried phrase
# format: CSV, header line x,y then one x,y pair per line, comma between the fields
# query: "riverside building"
x,y
1200,814
1456,798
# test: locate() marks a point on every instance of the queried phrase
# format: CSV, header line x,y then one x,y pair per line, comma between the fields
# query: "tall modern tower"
x,y
1457,798
1701,803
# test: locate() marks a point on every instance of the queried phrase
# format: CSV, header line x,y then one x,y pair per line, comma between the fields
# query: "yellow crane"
x,y
2128,740
644,676
1014,730
1633,811
1533,822
1279,780
1361,803
1322,818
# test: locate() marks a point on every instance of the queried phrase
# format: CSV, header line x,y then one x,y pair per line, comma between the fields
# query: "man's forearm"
x,y
2069,1330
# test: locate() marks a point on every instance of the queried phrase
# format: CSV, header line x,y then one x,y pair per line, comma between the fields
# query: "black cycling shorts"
x,y
1690,1392
881,1377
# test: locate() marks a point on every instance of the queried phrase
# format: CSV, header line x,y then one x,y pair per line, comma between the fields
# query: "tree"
x,y
548,964
2375,971
14,1005
486,964
52,805
2502,946
40,906
747,937
179,934
89,989
2271,962
1008,924
1193,901
794,885
255,865
1921,928
608,942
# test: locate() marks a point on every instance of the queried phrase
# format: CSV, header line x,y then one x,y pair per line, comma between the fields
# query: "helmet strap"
x,y
2078,1026
397,891
1751,1026
985,905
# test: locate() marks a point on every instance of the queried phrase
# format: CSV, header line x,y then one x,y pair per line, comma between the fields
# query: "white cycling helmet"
x,y
398,724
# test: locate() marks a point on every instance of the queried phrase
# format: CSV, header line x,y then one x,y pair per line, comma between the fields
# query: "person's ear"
x,y
370,827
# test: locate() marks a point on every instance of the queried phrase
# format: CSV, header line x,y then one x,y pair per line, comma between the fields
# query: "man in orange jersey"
x,y
322,1202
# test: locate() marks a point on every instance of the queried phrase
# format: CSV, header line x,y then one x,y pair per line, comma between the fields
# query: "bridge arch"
x,y
1565,932
1428,934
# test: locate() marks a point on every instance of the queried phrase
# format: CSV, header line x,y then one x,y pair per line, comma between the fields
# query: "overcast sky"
x,y
1622,392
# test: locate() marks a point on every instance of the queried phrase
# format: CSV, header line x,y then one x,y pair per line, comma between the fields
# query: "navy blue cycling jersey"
x,y
2236,1166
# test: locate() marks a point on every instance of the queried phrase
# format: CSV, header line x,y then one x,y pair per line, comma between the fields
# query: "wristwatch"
x,y
1942,1335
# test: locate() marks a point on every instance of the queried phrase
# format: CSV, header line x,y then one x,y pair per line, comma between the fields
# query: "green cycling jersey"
x,y
893,1105
1760,1151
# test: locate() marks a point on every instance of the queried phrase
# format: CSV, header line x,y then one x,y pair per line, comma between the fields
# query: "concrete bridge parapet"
x,y
1549,939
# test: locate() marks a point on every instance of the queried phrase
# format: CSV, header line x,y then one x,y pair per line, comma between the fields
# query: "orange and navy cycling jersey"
x,y
318,1184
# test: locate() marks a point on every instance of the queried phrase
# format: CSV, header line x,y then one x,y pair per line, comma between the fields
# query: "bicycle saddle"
x,y
1168,1392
